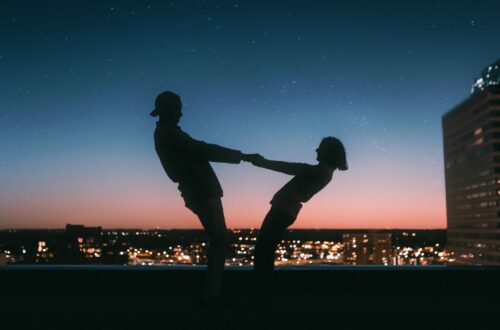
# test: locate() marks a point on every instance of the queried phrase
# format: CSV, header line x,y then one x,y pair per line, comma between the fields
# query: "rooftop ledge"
x,y
312,297
357,268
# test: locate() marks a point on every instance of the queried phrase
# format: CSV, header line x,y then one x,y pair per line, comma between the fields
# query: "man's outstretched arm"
x,y
213,152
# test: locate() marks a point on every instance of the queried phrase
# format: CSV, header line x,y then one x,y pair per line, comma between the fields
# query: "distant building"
x,y
83,244
3,259
471,133
367,248
44,255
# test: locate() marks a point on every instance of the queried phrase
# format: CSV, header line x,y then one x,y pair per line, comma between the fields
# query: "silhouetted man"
x,y
186,161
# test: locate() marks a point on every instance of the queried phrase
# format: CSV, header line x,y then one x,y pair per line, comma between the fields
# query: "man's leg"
x,y
211,215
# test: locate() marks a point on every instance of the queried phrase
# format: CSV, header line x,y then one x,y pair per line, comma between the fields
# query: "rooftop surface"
x,y
331,297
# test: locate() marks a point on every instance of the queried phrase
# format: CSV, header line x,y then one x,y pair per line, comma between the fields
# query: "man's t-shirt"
x,y
186,161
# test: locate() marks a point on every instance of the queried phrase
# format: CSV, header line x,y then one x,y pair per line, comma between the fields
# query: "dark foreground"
x,y
341,297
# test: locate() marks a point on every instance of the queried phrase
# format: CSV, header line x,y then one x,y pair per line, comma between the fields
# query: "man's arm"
x,y
208,151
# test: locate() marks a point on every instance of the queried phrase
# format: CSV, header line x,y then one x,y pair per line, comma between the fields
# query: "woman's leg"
x,y
211,215
275,223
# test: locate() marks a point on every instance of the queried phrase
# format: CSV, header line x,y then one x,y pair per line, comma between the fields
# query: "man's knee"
x,y
220,239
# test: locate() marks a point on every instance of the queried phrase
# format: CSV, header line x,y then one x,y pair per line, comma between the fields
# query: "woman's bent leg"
x,y
273,227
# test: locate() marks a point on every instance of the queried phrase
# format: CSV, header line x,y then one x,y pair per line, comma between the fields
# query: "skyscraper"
x,y
471,134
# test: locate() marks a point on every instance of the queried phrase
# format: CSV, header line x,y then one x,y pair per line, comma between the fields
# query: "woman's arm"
x,y
280,166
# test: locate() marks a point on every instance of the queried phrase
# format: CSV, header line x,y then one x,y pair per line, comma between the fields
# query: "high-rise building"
x,y
471,134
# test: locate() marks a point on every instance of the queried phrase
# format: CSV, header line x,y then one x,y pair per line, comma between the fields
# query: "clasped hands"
x,y
252,158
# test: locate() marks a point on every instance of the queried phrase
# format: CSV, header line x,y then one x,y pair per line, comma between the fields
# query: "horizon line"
x,y
234,228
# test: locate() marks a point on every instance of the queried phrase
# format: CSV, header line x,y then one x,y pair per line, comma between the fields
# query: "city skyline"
x,y
77,244
79,80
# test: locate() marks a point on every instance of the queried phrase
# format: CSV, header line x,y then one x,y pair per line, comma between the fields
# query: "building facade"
x,y
471,134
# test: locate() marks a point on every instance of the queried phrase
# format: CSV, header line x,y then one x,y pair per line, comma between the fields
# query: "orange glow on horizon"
x,y
162,207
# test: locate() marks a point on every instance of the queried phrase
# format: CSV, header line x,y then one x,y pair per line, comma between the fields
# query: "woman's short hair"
x,y
335,153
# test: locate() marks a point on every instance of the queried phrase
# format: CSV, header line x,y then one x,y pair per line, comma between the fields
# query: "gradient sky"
x,y
78,80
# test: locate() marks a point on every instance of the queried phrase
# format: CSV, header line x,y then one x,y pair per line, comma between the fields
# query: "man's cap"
x,y
166,101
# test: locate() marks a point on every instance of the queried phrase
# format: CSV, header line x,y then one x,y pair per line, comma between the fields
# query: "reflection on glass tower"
x,y
471,133
489,77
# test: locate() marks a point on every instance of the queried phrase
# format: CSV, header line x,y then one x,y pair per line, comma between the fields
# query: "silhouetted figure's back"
x,y
186,161
307,181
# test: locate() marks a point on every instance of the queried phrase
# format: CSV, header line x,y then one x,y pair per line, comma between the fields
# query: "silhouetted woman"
x,y
287,202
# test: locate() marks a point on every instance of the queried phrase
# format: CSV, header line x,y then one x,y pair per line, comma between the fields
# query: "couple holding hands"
x,y
186,162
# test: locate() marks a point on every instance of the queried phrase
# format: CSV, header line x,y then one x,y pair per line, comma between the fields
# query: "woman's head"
x,y
332,152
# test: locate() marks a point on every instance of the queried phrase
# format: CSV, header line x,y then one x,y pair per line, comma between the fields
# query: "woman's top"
x,y
308,180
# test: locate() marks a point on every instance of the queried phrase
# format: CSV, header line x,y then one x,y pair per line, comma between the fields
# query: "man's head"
x,y
168,106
